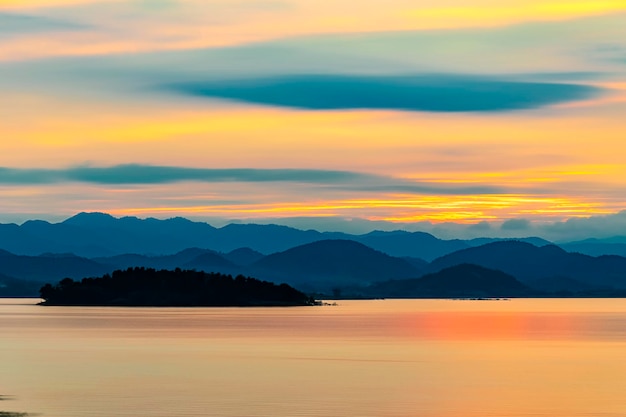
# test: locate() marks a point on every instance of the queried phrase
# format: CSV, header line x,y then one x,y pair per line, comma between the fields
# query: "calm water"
x,y
396,358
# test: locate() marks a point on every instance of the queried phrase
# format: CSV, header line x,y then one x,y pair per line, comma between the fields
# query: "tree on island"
x,y
149,287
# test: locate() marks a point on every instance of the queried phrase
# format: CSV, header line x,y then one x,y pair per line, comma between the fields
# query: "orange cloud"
x,y
486,13
192,24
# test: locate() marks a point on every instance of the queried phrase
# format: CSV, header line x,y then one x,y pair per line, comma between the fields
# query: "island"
x,y
147,287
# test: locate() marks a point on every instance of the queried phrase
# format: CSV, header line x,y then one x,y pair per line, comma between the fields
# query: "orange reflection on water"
x,y
491,326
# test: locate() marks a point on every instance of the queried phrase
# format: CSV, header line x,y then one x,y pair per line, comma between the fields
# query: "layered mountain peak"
x,y
90,219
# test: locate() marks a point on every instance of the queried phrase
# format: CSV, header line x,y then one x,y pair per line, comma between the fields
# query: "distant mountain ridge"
x,y
310,260
94,235
598,247
531,263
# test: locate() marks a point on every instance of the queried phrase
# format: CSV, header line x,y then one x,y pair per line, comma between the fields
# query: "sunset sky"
x,y
481,118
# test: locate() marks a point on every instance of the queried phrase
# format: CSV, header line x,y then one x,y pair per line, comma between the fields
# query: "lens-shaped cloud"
x,y
436,93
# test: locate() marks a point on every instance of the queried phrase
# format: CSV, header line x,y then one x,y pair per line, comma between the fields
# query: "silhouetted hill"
x,y
561,284
417,263
598,247
13,287
129,260
183,257
202,259
535,241
91,220
243,256
529,263
268,238
460,281
210,261
332,263
16,239
149,287
416,244
42,268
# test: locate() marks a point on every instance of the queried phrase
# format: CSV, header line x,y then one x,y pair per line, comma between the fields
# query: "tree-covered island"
x,y
178,288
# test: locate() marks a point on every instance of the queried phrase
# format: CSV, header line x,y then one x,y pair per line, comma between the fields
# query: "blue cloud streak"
x,y
135,174
432,93
150,174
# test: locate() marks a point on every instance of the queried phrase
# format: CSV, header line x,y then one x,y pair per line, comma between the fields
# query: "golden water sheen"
x,y
379,358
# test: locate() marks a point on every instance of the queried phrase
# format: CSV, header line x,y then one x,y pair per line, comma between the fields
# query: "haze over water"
x,y
391,358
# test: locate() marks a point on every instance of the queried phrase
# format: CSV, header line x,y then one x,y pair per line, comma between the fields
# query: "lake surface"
x,y
379,358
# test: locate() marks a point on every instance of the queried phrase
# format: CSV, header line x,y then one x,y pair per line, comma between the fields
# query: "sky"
x,y
481,118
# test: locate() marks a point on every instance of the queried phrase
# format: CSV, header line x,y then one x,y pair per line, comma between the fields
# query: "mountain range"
x,y
378,264
99,235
